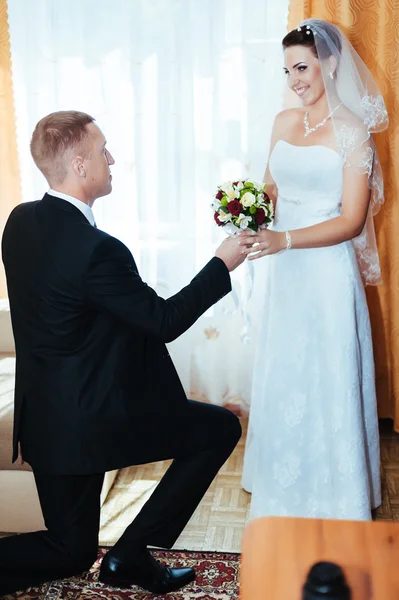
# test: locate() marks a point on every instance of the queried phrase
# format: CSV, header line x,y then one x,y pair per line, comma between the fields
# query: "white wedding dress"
x,y
313,444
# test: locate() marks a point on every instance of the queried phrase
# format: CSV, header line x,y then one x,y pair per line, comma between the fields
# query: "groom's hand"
x,y
231,253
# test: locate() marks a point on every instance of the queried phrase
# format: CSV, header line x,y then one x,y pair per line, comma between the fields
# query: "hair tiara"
x,y
309,30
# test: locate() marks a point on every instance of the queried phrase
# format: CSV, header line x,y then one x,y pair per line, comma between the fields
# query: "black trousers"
x,y
199,440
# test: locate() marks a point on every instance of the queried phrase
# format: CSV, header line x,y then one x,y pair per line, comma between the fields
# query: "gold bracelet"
x,y
289,241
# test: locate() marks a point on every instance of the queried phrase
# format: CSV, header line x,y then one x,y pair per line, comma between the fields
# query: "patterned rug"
x,y
217,579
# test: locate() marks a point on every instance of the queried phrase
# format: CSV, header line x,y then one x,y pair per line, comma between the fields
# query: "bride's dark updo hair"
x,y
305,37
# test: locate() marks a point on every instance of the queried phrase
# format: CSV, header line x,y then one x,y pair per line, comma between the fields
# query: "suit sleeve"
x,y
114,285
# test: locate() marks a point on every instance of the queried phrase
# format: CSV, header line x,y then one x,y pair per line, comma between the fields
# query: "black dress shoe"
x,y
147,573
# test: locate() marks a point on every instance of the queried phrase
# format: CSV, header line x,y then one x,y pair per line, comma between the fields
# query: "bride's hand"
x,y
263,243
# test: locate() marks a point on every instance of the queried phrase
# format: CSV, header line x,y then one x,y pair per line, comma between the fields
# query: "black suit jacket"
x,y
93,374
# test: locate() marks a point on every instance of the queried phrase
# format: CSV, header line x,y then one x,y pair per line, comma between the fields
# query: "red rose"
x,y
219,195
216,217
236,182
234,207
260,216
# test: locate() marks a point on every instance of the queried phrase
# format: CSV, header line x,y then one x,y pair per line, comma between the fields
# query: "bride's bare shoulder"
x,y
290,114
288,118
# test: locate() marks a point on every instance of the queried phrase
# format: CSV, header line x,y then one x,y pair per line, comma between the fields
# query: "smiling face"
x,y
304,74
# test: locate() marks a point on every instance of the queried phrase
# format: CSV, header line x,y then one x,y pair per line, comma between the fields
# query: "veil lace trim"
x,y
354,87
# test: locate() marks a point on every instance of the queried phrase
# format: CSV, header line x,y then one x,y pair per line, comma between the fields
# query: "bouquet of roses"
x,y
242,205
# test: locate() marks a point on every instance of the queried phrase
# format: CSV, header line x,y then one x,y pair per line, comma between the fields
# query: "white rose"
x,y
248,199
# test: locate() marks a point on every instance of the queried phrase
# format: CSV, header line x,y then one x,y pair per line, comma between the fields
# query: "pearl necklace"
x,y
309,130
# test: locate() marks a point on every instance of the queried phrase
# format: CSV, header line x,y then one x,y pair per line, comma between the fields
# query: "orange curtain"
x,y
10,189
373,29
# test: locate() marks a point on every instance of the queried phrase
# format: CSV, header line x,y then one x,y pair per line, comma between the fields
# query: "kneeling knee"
x,y
237,429
232,426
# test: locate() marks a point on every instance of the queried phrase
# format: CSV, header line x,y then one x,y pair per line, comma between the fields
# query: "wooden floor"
x,y
219,521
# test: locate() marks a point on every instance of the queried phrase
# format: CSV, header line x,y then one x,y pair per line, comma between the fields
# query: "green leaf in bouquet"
x,y
249,185
224,201
252,209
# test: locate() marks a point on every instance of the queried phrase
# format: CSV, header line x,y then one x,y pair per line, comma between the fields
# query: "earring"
x,y
331,75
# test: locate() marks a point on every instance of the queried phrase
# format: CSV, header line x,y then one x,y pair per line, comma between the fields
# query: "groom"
x,y
95,387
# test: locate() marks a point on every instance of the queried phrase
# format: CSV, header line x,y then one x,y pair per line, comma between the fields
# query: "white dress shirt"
x,y
84,208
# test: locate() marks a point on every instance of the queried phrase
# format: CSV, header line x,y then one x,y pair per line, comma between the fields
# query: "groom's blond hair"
x,y
56,138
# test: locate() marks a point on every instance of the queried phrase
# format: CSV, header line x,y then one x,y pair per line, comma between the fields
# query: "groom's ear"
x,y
78,166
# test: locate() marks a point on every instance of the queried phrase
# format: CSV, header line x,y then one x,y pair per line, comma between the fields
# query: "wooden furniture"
x,y
278,553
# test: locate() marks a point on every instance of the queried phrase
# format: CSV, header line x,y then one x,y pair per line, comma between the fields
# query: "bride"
x,y
313,445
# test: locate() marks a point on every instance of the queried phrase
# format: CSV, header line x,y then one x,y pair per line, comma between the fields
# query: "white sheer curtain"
x,y
185,92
